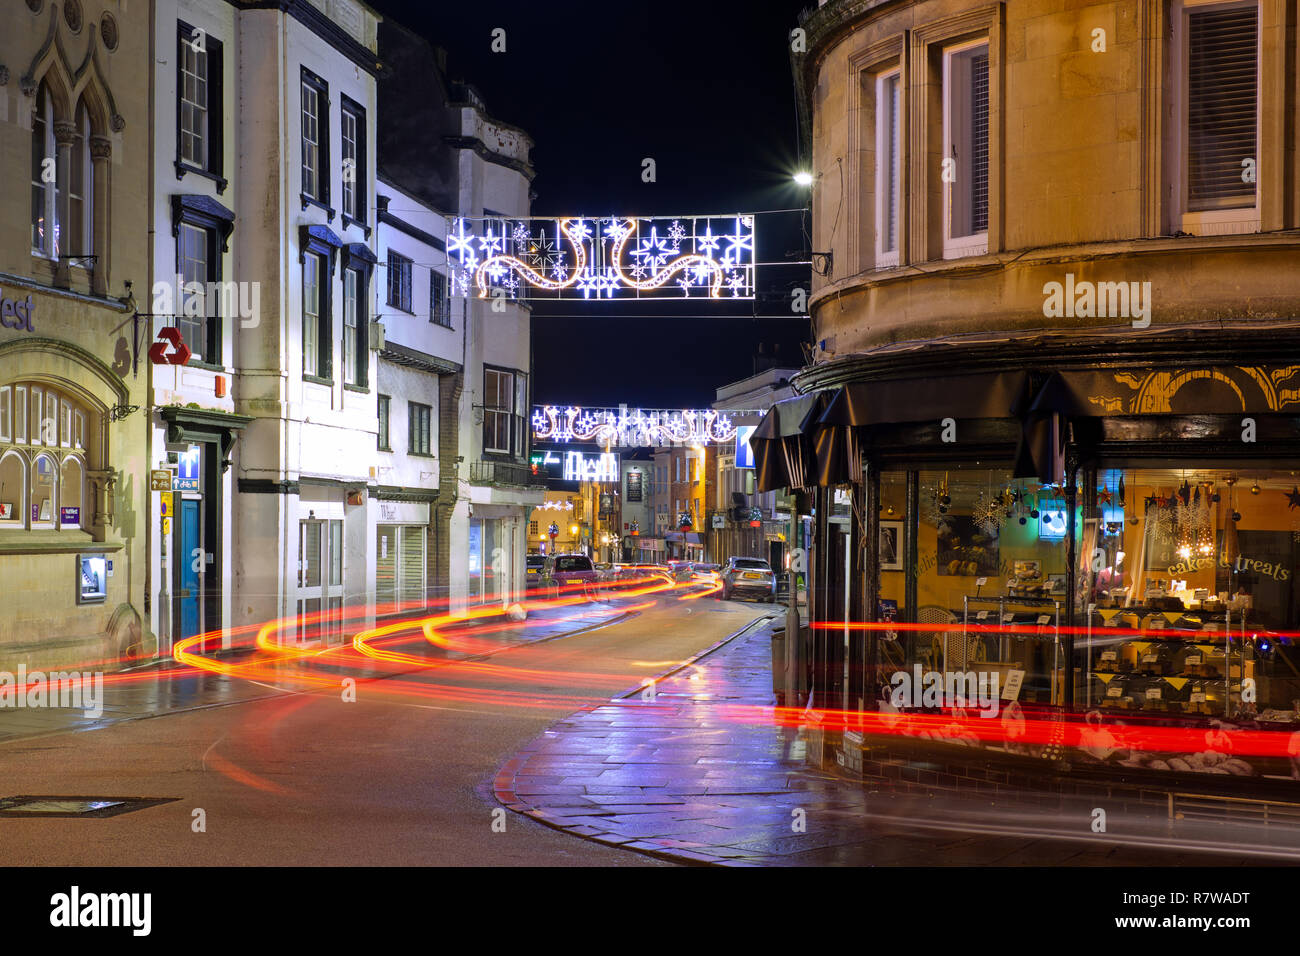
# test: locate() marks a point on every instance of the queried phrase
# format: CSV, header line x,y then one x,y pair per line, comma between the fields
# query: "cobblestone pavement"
x,y
676,777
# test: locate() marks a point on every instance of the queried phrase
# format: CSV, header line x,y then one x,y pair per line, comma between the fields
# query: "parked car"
x,y
562,569
747,577
533,565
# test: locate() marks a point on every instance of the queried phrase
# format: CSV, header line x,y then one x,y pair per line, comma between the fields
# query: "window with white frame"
x,y
498,410
79,239
965,172
42,459
1216,84
889,92
353,122
192,251
350,327
311,310
45,177
315,138
193,100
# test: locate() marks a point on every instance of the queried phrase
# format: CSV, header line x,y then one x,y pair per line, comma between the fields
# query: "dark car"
x,y
747,577
533,569
562,569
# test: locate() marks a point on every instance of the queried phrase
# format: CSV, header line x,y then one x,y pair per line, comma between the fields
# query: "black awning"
x,y
783,442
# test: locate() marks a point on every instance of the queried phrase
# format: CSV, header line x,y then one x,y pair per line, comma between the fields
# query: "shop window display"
x,y
990,582
1189,601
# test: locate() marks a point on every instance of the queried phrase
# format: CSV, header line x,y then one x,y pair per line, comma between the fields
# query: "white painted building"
x,y
441,145
419,381
263,173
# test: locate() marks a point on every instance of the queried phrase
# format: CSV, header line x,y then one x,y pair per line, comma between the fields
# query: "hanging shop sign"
x,y
16,314
612,257
631,428
170,349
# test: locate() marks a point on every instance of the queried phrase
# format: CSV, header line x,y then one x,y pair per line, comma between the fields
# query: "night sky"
x,y
703,88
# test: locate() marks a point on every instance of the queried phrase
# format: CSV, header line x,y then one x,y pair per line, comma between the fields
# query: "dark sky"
x,y
704,88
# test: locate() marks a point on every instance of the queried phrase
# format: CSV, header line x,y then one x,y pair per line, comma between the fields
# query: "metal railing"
x,y
504,473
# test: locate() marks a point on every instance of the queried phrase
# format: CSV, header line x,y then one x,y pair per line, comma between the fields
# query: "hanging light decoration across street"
x,y
614,257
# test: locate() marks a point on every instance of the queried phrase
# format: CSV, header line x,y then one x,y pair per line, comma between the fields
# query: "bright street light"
x,y
803,178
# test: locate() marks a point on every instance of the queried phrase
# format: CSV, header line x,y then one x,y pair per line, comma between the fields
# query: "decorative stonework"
x,y
72,15
118,123
65,132
35,5
101,147
4,76
108,32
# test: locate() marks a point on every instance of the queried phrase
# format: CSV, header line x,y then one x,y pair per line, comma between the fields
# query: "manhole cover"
x,y
61,806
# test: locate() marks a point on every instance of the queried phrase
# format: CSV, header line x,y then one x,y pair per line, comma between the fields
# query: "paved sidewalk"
x,y
166,687
676,778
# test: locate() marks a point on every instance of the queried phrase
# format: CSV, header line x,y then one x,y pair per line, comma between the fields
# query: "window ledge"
x,y
313,201
349,221
199,363
53,542
420,454
362,389
384,448
318,380
183,167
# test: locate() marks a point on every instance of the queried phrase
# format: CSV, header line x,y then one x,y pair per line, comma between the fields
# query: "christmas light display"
x,y
631,428
711,255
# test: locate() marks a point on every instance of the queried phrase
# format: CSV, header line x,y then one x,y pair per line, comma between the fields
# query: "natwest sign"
x,y
580,466
17,314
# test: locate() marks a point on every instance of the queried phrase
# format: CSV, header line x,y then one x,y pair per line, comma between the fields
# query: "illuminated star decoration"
x,y
1293,498
604,257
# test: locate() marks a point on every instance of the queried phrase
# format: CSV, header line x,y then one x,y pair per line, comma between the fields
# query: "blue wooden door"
x,y
191,563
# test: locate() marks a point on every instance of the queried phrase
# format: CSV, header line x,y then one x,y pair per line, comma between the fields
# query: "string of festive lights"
x,y
632,428
604,257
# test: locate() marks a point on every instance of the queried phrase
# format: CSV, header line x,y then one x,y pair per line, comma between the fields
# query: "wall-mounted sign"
x,y
187,473
634,486
744,454
6,510
720,521
16,314
70,516
160,479
580,466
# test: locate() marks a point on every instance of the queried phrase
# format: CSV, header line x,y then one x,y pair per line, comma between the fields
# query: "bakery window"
x,y
1190,602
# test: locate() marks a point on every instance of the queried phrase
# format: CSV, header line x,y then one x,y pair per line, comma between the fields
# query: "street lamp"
x,y
803,178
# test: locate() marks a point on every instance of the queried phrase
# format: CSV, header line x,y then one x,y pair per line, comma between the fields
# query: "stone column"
x,y
65,133
101,151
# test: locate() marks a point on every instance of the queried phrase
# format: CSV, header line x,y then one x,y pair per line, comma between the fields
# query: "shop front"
x,y
1087,552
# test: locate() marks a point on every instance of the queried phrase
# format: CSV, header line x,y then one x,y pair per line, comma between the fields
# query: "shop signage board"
x,y
70,516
